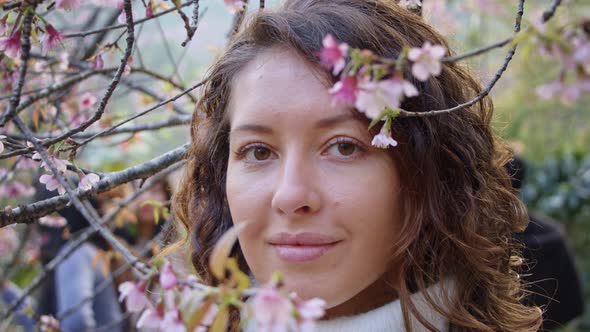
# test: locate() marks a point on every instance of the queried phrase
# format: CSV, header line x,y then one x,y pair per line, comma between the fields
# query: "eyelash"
x,y
359,148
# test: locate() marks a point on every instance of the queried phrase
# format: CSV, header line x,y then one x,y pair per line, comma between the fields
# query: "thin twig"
x,y
488,88
171,122
30,212
192,28
106,131
120,26
22,71
65,253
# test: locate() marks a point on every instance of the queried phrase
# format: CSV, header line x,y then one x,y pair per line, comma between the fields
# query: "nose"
x,y
295,193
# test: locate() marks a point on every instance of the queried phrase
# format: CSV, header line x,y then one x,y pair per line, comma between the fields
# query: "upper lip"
x,y
302,239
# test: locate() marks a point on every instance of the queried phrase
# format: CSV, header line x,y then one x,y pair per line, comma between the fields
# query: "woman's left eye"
x,y
344,148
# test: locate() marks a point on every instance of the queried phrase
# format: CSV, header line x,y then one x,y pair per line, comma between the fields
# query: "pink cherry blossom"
x,y
8,242
60,164
310,311
51,183
16,189
134,296
150,318
87,101
149,10
53,221
2,144
98,62
48,323
172,322
426,60
67,4
50,39
87,180
11,45
167,277
383,140
272,311
333,54
234,6
345,91
25,164
374,97
410,4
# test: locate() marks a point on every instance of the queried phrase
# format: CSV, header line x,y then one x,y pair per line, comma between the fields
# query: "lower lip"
x,y
302,253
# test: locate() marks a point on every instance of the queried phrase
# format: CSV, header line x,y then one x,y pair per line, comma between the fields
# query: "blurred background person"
x,y
78,276
549,269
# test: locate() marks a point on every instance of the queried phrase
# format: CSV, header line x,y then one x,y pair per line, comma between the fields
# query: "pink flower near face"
x,y
426,60
345,91
50,39
310,311
87,180
333,54
167,277
134,296
53,221
272,311
234,6
150,318
172,322
51,183
383,140
374,97
67,4
11,45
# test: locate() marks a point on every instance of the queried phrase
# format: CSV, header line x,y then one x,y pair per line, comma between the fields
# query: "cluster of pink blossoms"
x,y
570,48
186,305
376,86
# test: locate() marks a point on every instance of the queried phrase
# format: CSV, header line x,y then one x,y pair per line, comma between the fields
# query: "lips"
x,y
302,247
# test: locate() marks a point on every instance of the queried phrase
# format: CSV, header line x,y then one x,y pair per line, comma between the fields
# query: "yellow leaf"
x,y
197,316
221,321
241,279
222,249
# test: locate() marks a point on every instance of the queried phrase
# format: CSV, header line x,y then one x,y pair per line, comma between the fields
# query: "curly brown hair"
x,y
459,210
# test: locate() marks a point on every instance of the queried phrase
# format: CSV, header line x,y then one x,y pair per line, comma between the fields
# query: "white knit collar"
x,y
389,318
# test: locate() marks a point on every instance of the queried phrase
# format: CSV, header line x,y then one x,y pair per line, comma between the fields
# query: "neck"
x,y
376,295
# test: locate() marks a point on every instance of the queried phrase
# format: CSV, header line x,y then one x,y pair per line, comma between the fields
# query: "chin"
x,y
307,288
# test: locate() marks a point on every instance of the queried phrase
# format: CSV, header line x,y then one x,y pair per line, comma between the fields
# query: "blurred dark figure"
x,y
549,265
77,276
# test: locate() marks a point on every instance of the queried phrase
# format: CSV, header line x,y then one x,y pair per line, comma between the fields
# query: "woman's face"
x,y
323,205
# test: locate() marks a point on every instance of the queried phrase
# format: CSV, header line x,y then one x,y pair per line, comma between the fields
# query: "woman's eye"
x,y
346,149
343,149
258,153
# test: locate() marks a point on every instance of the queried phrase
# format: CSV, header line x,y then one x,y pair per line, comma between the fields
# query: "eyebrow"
x,y
321,124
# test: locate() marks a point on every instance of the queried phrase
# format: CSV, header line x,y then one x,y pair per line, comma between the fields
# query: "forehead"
x,y
278,84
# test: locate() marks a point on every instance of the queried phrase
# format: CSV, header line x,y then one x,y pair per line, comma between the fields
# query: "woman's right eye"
x,y
256,153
